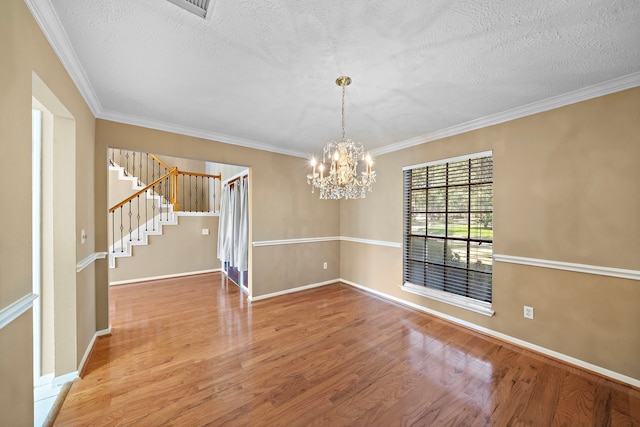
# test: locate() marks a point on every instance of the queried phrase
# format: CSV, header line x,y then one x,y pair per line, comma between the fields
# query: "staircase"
x,y
123,247
140,210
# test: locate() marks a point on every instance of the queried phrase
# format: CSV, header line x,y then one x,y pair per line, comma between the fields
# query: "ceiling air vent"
x,y
198,7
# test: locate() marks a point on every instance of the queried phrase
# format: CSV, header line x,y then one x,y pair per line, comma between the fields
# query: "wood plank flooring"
x,y
192,351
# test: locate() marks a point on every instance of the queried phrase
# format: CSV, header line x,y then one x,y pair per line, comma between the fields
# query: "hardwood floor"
x,y
192,351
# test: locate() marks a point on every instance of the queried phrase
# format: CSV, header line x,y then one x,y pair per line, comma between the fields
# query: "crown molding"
x,y
195,132
49,23
52,28
605,88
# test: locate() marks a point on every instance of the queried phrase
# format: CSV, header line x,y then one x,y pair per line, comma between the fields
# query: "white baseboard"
x,y
292,290
167,276
87,352
45,380
63,379
45,388
521,343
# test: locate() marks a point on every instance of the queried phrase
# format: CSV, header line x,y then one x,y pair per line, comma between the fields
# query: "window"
x,y
448,233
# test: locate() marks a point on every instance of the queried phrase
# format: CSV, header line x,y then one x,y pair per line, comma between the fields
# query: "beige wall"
x,y
16,387
184,164
566,189
227,171
181,248
23,50
284,267
281,205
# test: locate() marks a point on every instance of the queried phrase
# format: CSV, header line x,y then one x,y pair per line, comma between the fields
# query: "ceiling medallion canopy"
x,y
340,180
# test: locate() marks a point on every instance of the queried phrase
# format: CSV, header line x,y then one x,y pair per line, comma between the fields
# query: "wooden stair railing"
x,y
148,187
169,188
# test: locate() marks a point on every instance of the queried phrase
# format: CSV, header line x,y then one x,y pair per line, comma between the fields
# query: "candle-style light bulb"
x,y
336,156
321,167
313,164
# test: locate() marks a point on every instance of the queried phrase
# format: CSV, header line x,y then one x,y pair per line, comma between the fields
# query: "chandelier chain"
x,y
344,88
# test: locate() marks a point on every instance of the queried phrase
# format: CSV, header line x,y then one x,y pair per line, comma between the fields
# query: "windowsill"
x,y
456,300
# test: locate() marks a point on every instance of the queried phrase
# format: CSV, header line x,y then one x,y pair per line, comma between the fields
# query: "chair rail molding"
x,y
326,239
81,265
16,309
569,266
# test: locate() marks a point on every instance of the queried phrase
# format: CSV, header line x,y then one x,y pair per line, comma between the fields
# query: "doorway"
x,y
53,246
169,229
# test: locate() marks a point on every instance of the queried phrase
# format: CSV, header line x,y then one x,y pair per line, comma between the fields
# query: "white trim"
x,y
63,379
194,132
36,234
238,175
451,160
293,290
186,213
448,298
44,381
87,352
16,309
295,241
569,266
166,276
560,356
153,227
371,242
326,239
88,260
605,88
53,30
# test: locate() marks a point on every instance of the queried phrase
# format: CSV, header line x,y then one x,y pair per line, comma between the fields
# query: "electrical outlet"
x,y
528,312
83,236
325,265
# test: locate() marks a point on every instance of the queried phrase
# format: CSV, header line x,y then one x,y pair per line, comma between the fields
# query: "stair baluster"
x,y
163,191
113,232
138,210
196,191
121,232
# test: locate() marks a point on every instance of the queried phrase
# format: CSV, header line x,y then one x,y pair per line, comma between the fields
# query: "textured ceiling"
x,y
262,73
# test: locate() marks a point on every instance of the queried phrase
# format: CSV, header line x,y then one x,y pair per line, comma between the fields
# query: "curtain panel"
x,y
233,228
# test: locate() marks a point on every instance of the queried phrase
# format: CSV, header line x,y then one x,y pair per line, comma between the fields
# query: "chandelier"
x,y
341,180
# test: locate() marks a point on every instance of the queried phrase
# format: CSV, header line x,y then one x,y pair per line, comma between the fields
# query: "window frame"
x,y
453,298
